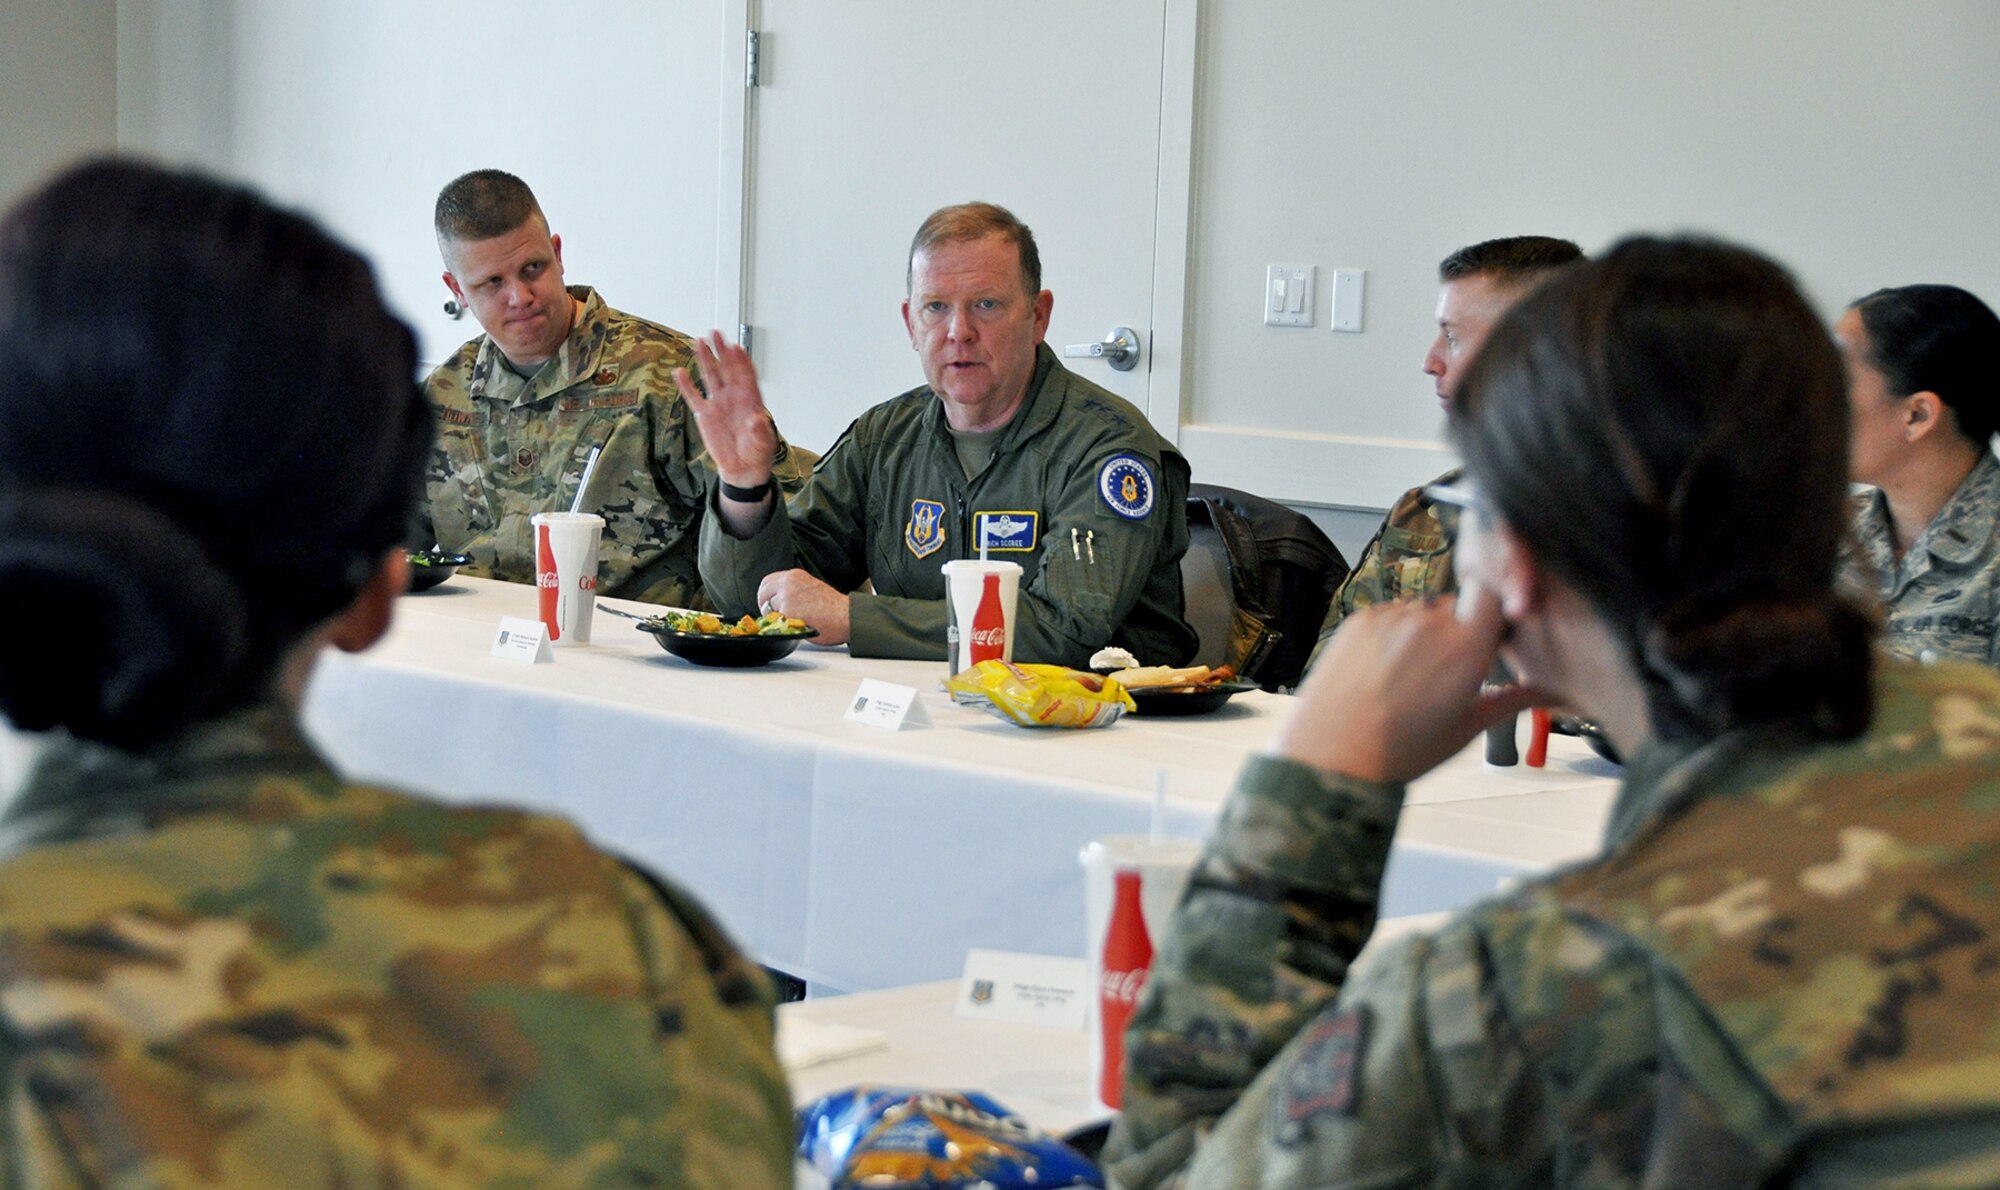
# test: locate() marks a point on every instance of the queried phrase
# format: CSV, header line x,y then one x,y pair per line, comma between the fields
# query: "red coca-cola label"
x,y
1128,956
545,579
989,625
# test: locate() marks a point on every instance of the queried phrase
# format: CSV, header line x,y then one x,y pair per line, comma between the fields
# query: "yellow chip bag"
x,y
1040,695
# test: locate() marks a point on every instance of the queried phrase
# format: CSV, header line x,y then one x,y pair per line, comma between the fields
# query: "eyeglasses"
x,y
1463,494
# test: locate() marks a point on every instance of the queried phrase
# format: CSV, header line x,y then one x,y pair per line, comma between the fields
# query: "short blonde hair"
x,y
975,221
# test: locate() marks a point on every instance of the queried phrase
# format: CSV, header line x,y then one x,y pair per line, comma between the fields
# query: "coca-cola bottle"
x,y
989,624
546,580
1128,955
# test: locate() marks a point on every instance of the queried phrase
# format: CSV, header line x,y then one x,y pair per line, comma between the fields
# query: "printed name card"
x,y
1026,989
887,705
525,641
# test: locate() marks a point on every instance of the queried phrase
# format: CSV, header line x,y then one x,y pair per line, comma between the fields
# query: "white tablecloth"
x,y
852,856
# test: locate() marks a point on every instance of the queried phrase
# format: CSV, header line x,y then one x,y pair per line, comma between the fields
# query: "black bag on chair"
x,y
1259,577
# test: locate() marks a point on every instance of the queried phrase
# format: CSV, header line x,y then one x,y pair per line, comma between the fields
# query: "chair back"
x,y
1258,578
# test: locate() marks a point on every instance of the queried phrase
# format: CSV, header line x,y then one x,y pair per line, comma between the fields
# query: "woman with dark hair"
x,y
1925,405
221,964
1782,969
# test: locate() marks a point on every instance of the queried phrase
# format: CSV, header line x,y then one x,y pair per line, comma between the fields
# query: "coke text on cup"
x,y
546,583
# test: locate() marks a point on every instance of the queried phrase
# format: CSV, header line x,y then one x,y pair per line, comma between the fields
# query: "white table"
x,y
856,857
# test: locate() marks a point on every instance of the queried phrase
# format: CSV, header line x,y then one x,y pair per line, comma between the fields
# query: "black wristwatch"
x,y
747,495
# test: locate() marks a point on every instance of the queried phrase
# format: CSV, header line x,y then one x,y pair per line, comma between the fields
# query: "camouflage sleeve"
x,y
1281,902
717,1007
1409,557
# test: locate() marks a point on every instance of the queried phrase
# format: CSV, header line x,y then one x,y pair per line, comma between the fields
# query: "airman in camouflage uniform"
x,y
1943,598
1408,558
1786,964
223,966
510,446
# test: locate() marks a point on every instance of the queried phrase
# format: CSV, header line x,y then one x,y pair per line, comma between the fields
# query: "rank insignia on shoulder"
x,y
1017,531
603,377
1127,486
925,531
1324,1078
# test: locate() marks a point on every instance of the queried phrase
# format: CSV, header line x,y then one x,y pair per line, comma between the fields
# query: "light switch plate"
x,y
1288,295
1348,287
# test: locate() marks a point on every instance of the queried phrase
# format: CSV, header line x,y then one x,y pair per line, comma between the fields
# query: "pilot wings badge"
x,y
925,531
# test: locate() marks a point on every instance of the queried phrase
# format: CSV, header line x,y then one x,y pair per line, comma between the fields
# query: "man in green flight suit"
x,y
1003,443
1410,555
559,374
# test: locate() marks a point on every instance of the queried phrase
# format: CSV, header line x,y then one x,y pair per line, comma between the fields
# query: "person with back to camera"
x,y
1925,407
1783,967
221,964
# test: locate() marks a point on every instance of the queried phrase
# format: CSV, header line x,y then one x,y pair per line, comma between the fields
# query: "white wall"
x,y
361,110
58,87
1857,141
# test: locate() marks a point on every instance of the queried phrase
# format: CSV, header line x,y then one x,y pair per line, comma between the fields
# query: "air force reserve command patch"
x,y
1127,486
925,532
998,531
1324,1078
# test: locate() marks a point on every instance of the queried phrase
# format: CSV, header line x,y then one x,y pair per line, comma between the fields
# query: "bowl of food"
x,y
1182,690
706,639
430,567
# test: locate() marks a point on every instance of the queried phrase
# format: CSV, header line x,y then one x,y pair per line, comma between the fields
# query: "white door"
x,y
868,116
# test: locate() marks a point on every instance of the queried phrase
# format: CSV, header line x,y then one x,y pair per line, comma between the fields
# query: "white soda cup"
x,y
566,572
1163,867
965,585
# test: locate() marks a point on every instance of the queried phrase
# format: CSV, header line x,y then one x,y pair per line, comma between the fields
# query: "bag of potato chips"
x,y
896,1138
1040,695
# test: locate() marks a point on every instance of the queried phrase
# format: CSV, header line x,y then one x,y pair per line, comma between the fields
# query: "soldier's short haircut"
x,y
1513,259
483,204
976,221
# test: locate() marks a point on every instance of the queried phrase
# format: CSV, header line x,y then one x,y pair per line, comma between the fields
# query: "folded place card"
x,y
525,641
1027,989
887,705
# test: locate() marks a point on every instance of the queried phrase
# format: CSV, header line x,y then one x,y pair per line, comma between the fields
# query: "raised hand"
x,y
1398,690
734,425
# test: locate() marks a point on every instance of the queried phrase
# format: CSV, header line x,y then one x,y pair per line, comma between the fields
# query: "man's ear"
x,y
451,283
1045,303
1924,413
366,620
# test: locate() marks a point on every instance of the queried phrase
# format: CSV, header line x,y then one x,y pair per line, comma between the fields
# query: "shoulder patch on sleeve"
x,y
1324,1077
1126,484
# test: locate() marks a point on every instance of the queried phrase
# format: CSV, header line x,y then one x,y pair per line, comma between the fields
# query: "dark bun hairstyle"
x,y
1665,428
1938,339
210,433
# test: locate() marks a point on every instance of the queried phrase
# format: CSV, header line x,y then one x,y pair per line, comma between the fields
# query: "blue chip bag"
x,y
898,1138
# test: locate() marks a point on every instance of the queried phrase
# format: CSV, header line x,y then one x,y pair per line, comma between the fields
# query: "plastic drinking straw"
x,y
583,481
1159,805
982,541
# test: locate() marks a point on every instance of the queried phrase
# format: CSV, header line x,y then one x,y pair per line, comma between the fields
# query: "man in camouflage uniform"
x,y
1057,474
1784,963
224,966
1410,555
557,375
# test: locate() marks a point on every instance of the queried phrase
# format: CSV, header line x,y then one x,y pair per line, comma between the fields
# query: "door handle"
x,y
1120,349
